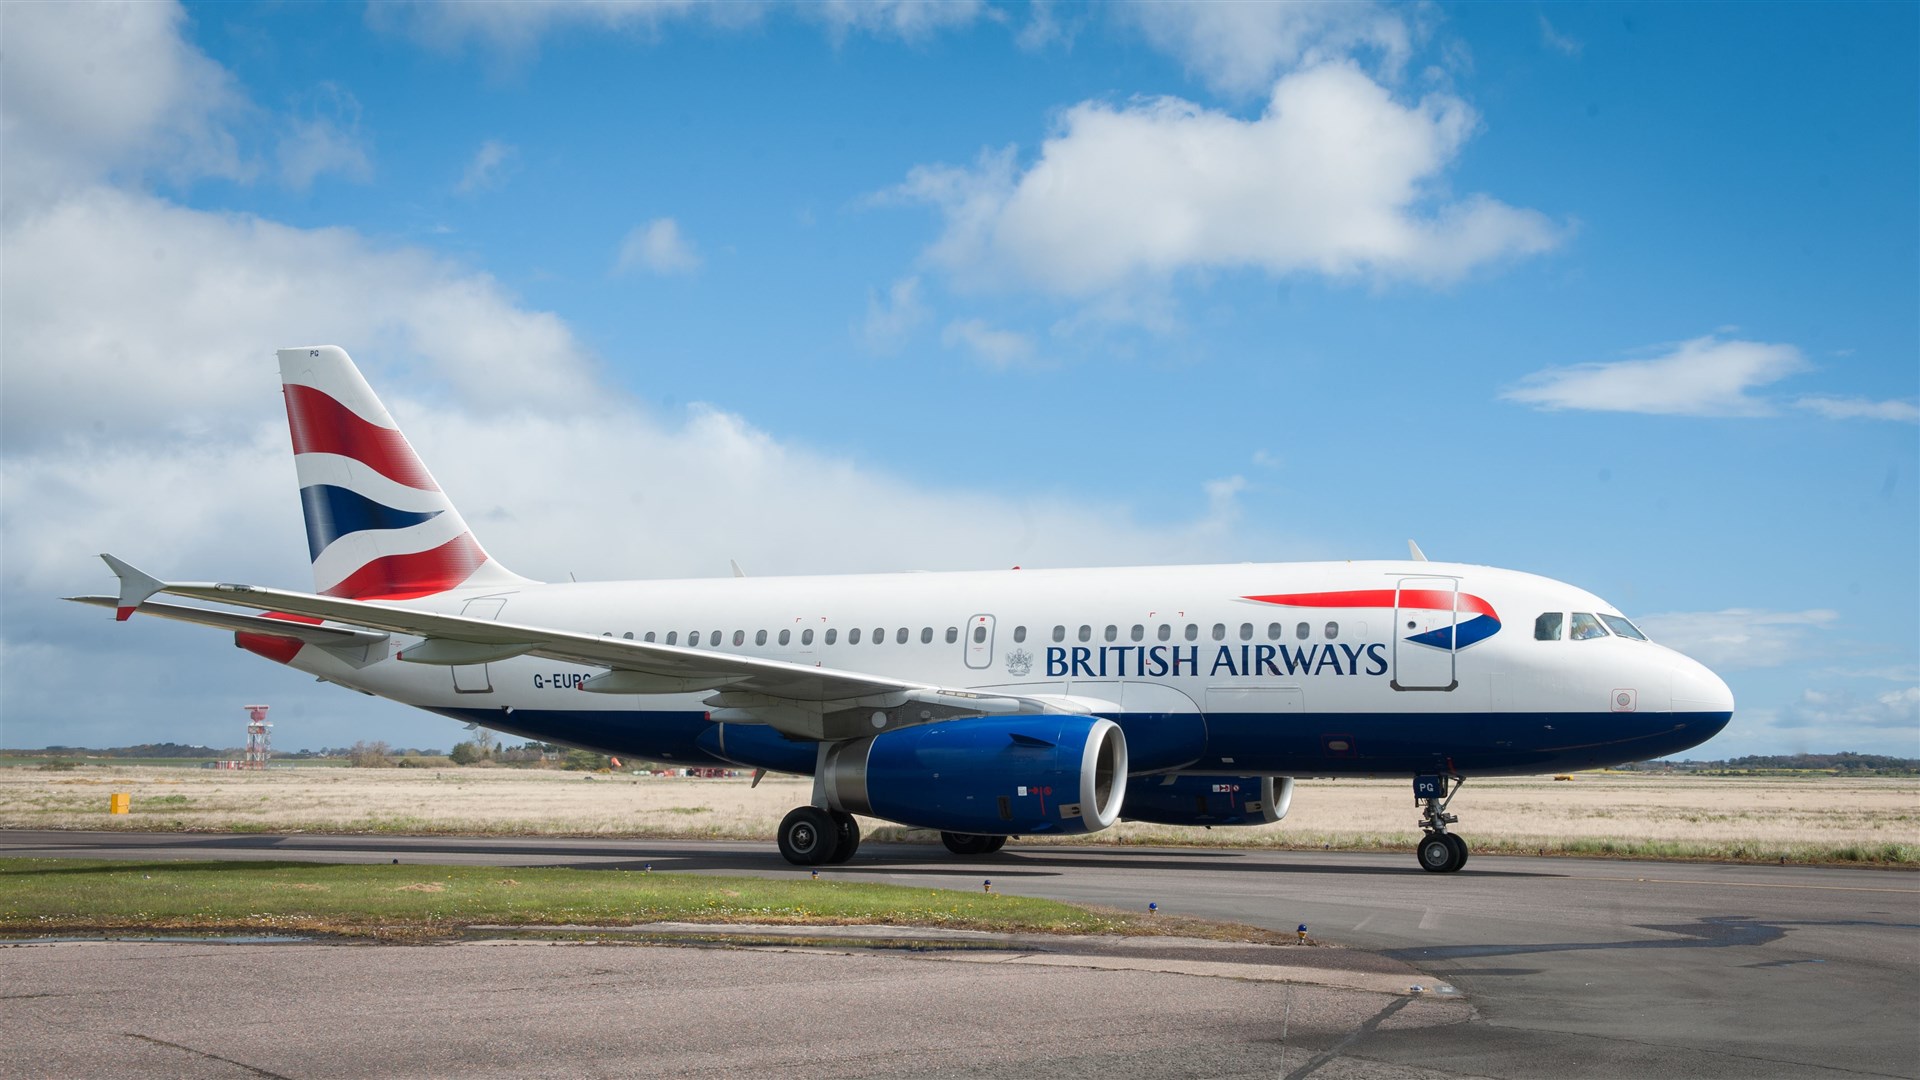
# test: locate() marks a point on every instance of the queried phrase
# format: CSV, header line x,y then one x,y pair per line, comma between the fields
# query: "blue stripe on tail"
x,y
334,512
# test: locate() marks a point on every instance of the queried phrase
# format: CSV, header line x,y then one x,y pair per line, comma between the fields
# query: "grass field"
x,y
1801,819
54,896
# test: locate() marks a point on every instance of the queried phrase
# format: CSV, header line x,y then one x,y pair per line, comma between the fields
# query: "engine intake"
x,y
1004,776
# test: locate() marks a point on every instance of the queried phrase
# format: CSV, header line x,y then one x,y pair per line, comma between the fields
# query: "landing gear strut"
x,y
810,836
1440,851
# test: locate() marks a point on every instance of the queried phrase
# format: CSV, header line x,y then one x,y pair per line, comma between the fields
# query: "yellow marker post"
x,y
120,802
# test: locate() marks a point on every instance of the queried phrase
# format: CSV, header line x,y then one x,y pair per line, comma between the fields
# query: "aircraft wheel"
x,y
847,836
1436,854
994,843
963,843
808,836
1459,850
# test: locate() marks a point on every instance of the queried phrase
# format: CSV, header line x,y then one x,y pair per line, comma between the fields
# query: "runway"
x,y
1577,968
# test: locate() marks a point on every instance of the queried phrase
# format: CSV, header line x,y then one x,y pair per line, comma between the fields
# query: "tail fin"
x,y
378,527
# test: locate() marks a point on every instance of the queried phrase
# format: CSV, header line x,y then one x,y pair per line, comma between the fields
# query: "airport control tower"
x,y
259,737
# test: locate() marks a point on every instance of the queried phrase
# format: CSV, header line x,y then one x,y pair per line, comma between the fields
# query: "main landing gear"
x,y
963,843
810,836
1440,851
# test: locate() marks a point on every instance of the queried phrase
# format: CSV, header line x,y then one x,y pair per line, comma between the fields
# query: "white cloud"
x,y
124,316
1836,711
1858,408
908,20
327,141
1241,47
997,348
1557,41
658,247
110,88
487,167
1739,638
1707,376
1335,177
892,319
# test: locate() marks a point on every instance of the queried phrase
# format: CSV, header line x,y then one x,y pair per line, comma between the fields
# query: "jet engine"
x,y
1003,775
1209,800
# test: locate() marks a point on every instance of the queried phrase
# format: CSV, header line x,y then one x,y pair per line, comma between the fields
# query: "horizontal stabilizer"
x,y
311,633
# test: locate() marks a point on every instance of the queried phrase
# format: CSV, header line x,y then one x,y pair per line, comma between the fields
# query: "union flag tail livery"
x,y
378,526
982,705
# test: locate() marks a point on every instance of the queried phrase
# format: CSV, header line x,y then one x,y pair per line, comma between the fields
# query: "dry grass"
x,y
1818,819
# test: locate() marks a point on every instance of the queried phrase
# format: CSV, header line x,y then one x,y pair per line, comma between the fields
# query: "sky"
x,y
1625,295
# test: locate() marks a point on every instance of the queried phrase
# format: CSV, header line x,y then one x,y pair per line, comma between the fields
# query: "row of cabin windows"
x,y
1275,632
1585,626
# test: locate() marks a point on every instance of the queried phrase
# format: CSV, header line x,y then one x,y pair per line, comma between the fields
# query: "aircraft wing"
x,y
804,701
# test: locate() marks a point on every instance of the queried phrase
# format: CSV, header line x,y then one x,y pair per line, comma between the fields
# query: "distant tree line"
x,y
1846,763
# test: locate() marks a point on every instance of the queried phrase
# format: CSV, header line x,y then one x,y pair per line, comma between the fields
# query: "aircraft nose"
x,y
1697,689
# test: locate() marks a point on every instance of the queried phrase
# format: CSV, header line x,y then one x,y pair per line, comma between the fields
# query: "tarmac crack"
x,y
202,1053
1367,1027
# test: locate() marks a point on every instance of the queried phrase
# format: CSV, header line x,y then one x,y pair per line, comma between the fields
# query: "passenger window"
x,y
628,635
1547,626
1586,627
1622,627
1246,631
926,635
693,639
1193,632
1019,634
1333,630
900,636
832,633
1086,633
853,636
953,634
879,636
1059,633
806,637
786,636
1219,631
1113,632
739,637
759,637
649,636
673,637
1274,630
1139,632
1166,631
1303,631
979,635
714,639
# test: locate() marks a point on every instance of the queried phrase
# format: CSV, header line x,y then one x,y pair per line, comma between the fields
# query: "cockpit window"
x,y
1622,627
1547,626
1586,627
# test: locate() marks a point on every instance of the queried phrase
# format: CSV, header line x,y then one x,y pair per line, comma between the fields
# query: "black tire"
x,y
1436,854
847,836
808,836
1459,851
966,843
994,843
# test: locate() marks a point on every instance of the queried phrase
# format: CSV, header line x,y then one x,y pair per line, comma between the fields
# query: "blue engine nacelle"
x,y
1209,800
998,775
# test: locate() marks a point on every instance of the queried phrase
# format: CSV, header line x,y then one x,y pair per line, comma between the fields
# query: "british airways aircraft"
x,y
983,704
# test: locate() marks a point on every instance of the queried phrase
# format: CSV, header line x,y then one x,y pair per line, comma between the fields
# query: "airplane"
x,y
981,704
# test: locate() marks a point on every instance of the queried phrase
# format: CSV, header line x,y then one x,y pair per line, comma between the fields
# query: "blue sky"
x,y
1624,295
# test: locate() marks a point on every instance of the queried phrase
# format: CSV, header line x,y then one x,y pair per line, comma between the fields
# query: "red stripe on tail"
x,y
322,425
402,577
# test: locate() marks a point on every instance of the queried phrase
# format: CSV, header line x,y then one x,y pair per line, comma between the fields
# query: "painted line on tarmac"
x,y
1747,884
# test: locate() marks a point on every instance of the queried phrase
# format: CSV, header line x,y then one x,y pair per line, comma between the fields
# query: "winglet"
x,y
1413,549
135,587
737,572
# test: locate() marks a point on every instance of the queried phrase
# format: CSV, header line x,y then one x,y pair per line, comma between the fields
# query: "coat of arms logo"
x,y
1019,663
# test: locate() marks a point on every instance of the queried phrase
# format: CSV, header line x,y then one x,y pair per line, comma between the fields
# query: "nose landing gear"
x,y
1440,851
